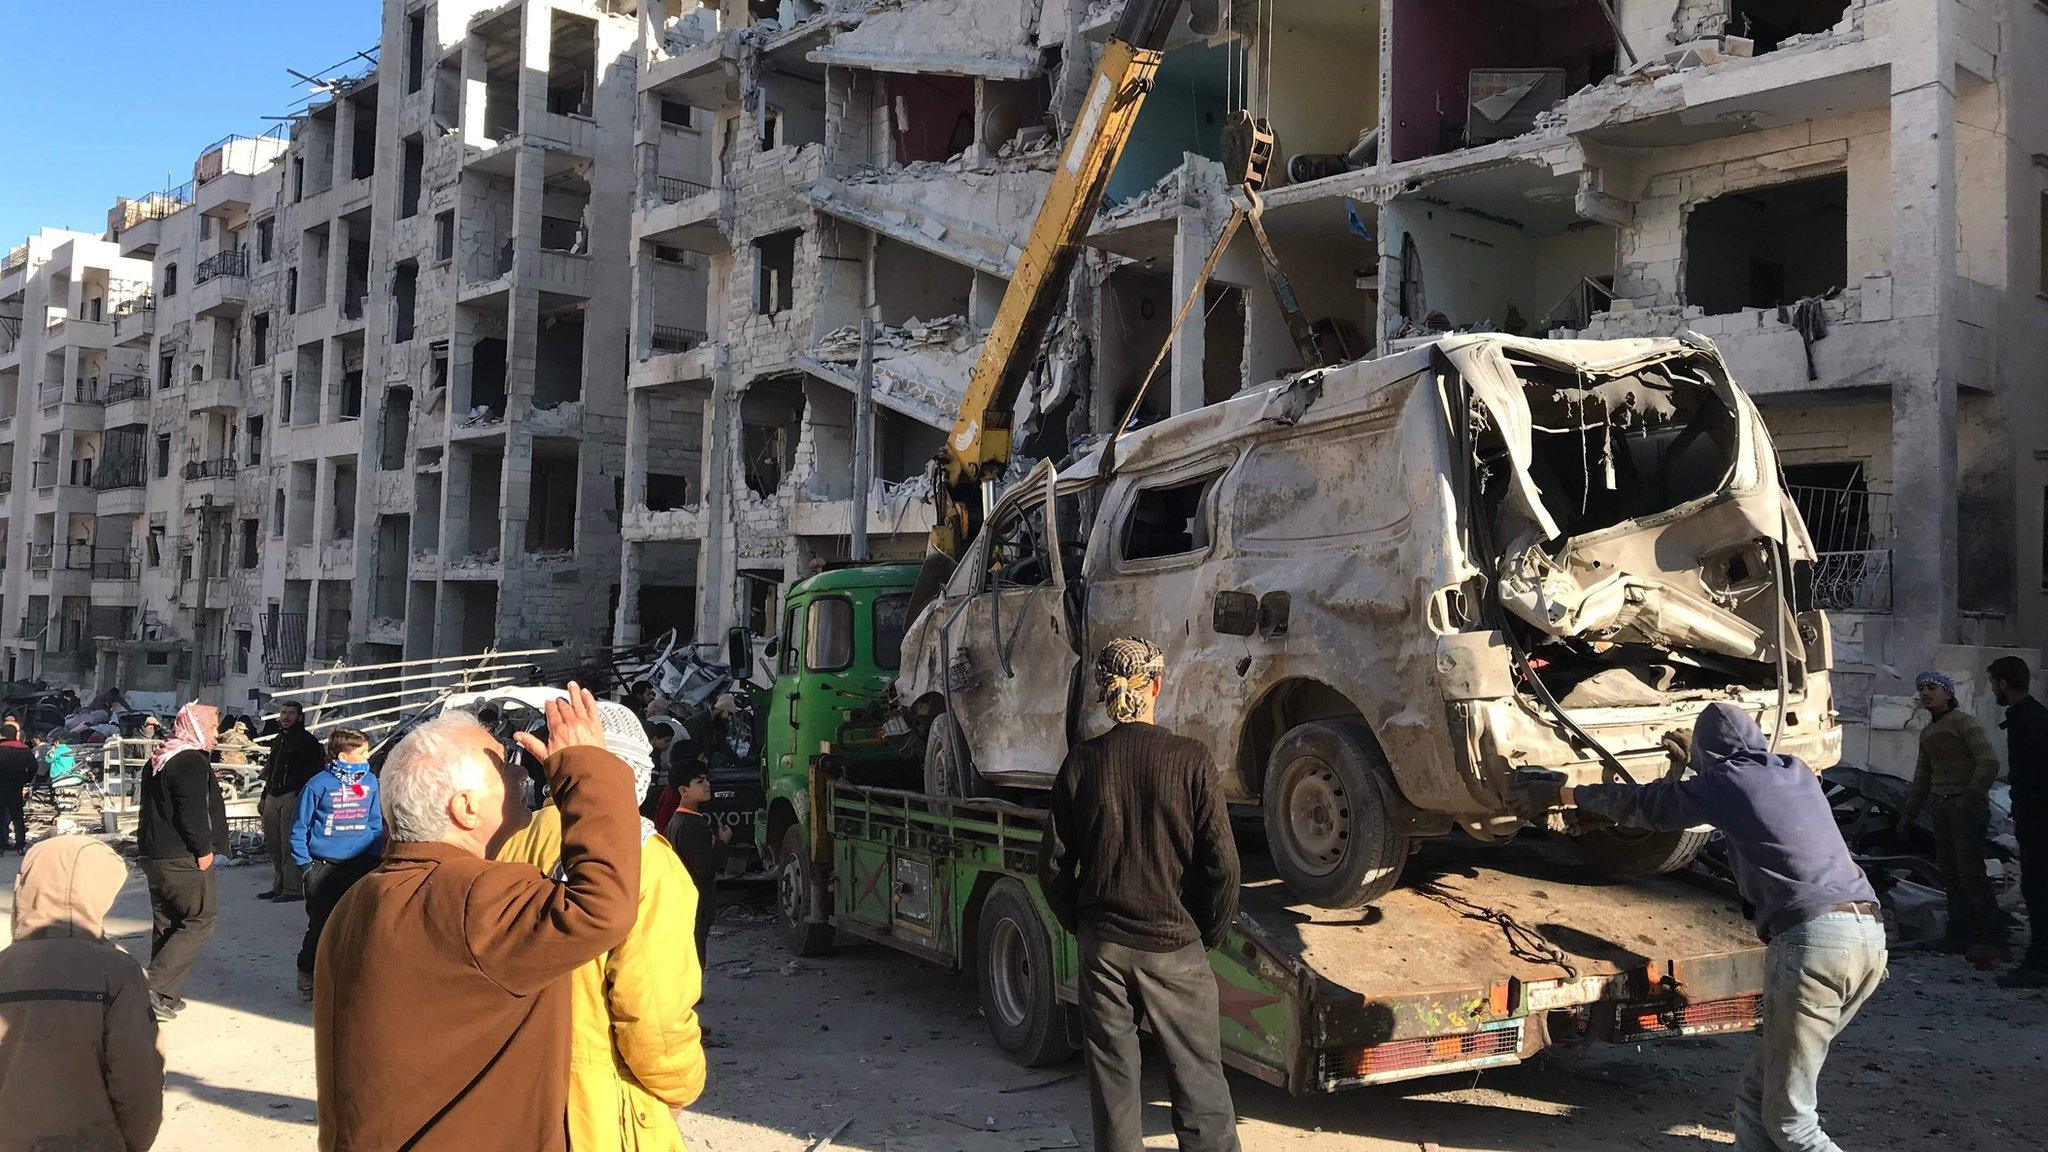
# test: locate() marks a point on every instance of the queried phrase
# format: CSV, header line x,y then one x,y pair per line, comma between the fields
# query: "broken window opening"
x,y
396,428
930,117
487,376
1476,71
551,500
349,402
904,447
481,525
405,286
667,492
415,50
363,147
771,415
387,590
444,235
1772,22
558,359
1169,521
572,65
410,166
1015,113
299,523
913,284
344,524
775,273
1766,247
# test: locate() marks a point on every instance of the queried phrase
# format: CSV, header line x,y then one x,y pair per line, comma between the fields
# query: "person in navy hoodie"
x,y
337,838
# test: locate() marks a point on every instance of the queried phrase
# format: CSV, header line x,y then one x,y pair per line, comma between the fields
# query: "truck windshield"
x,y
891,621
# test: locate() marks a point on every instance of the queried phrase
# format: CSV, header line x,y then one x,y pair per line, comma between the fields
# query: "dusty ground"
x,y
1941,1059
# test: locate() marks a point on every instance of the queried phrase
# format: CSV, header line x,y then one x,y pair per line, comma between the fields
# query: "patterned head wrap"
x,y
1932,679
195,730
1124,671
626,738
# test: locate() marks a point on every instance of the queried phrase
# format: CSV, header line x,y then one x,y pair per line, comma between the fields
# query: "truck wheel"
x,y
943,774
1628,852
794,880
1014,976
1330,818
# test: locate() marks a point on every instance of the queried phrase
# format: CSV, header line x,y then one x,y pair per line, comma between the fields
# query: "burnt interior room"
x,y
1470,72
1765,247
930,117
771,417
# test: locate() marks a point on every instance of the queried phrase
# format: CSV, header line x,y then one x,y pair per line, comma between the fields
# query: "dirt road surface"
x,y
1941,1059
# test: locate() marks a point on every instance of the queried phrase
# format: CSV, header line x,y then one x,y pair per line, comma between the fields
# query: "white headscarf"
x,y
625,738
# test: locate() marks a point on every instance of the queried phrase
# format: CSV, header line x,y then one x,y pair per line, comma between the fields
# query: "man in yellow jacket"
x,y
637,1053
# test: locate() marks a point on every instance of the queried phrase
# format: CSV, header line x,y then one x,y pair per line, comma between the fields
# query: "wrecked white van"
x,y
1384,588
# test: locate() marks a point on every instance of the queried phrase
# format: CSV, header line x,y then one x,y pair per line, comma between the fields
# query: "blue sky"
x,y
99,100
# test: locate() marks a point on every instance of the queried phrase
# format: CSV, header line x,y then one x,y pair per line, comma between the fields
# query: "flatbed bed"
x,y
1485,956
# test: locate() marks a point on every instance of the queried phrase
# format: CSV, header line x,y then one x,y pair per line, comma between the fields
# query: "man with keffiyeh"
x,y
183,828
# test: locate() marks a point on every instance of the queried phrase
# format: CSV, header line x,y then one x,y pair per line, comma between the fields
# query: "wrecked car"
x,y
1386,587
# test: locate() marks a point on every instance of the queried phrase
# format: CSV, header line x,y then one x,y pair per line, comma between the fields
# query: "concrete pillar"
x,y
536,44
344,142
626,627
1191,244
1924,473
475,96
717,575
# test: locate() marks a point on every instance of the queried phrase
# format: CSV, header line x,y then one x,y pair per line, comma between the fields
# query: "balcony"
x,y
135,320
123,387
113,564
32,628
216,394
137,224
41,557
213,668
62,331
220,467
43,474
6,483
220,285
1851,530
284,646
119,471
668,339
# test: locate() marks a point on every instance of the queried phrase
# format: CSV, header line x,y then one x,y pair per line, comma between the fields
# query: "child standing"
x,y
338,837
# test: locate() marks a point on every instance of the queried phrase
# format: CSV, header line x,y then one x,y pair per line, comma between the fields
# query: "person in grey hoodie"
x,y
1811,904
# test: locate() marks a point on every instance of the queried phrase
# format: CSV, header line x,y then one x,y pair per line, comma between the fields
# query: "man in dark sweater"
x,y
295,758
1809,901
1141,867
183,827
698,838
2026,767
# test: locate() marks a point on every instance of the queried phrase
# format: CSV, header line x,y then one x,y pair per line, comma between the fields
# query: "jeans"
x,y
279,812
183,905
327,881
1815,978
1175,992
14,815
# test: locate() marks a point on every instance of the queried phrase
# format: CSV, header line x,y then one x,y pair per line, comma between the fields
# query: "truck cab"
x,y
832,662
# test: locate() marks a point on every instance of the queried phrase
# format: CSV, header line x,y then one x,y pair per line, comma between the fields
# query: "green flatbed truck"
x,y
1487,955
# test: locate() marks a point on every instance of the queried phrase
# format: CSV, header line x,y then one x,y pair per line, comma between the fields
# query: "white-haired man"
x,y
440,998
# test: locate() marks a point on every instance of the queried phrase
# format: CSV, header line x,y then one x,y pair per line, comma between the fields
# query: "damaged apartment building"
x,y
354,393
1848,198
804,168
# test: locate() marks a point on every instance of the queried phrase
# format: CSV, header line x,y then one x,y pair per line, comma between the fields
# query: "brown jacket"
x,y
79,1063
1956,759
440,1002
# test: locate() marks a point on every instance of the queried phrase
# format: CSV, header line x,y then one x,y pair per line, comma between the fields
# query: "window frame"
x,y
1210,473
811,630
875,630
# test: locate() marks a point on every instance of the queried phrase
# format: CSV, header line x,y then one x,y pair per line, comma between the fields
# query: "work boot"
x,y
306,986
2024,977
273,894
163,1007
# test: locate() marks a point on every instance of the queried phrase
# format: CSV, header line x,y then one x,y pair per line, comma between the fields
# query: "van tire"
x,y
943,774
1337,838
1625,852
794,879
1014,979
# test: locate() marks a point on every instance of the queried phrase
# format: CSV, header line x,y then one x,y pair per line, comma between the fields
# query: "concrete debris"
x,y
481,415
843,344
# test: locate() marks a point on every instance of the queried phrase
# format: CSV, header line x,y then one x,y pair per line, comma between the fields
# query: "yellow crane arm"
x,y
979,446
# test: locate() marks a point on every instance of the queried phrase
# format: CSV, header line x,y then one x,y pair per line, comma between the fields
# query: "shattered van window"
x,y
1169,521
1617,449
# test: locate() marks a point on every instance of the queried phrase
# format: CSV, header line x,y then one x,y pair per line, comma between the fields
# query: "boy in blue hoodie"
x,y
338,837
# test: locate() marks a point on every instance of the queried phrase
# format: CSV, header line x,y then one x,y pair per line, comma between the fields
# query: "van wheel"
x,y
794,880
1018,991
1628,852
1330,818
944,775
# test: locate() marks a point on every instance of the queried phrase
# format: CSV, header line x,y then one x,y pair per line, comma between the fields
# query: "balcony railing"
x,y
216,468
126,386
284,646
32,628
41,556
113,564
6,483
669,338
231,263
116,472
1851,530
128,213
43,473
213,668
49,394
16,260
674,189
135,305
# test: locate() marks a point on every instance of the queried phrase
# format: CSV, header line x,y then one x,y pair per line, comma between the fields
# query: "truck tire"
x,y
1627,852
1014,978
1331,824
794,879
944,775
